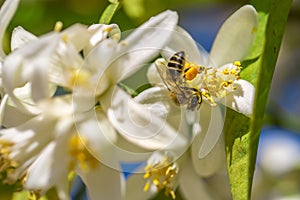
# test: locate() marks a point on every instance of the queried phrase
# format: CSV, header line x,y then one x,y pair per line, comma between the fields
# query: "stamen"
x,y
218,83
58,26
161,174
212,84
7,165
80,154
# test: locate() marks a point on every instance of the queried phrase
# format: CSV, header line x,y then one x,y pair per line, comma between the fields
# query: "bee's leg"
x,y
198,96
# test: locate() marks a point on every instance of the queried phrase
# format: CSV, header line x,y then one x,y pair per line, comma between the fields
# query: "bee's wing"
x,y
162,68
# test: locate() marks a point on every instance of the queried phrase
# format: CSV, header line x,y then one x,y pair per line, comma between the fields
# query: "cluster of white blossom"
x,y
63,110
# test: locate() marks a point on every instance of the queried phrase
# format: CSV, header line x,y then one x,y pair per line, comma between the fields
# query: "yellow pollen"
x,y
79,77
192,71
156,182
7,165
233,71
209,98
108,29
237,63
172,193
161,175
58,26
225,71
147,175
80,154
146,187
218,83
238,66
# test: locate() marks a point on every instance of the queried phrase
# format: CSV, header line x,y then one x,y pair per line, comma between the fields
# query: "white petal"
x,y
100,33
208,150
104,183
81,102
183,41
39,80
140,125
65,61
57,107
212,162
111,62
101,56
2,108
135,50
185,121
220,185
32,65
13,116
154,95
242,99
153,75
235,37
77,35
191,185
212,121
177,116
143,44
37,129
6,13
44,172
35,60
100,136
97,61
20,36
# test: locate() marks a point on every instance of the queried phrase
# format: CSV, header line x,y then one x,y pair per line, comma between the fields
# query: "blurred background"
x,y
278,167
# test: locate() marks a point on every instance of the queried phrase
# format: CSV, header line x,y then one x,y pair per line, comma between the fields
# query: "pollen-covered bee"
x,y
175,75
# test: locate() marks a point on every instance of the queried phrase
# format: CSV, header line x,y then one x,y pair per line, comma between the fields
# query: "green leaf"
x,y
242,134
6,191
113,1
128,89
109,12
237,144
134,8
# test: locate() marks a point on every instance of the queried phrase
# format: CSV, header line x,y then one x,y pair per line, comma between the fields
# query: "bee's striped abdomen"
x,y
176,64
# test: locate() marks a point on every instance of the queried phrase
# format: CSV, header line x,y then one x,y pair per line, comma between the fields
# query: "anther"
x,y
58,26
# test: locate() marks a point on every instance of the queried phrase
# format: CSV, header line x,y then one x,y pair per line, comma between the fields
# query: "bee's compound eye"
x,y
180,54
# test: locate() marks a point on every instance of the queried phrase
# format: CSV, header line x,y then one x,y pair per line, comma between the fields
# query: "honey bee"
x,y
175,75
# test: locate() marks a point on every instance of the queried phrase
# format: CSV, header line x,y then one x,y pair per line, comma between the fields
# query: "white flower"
x,y
135,122
53,58
37,66
208,148
42,151
160,173
53,141
6,13
218,85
